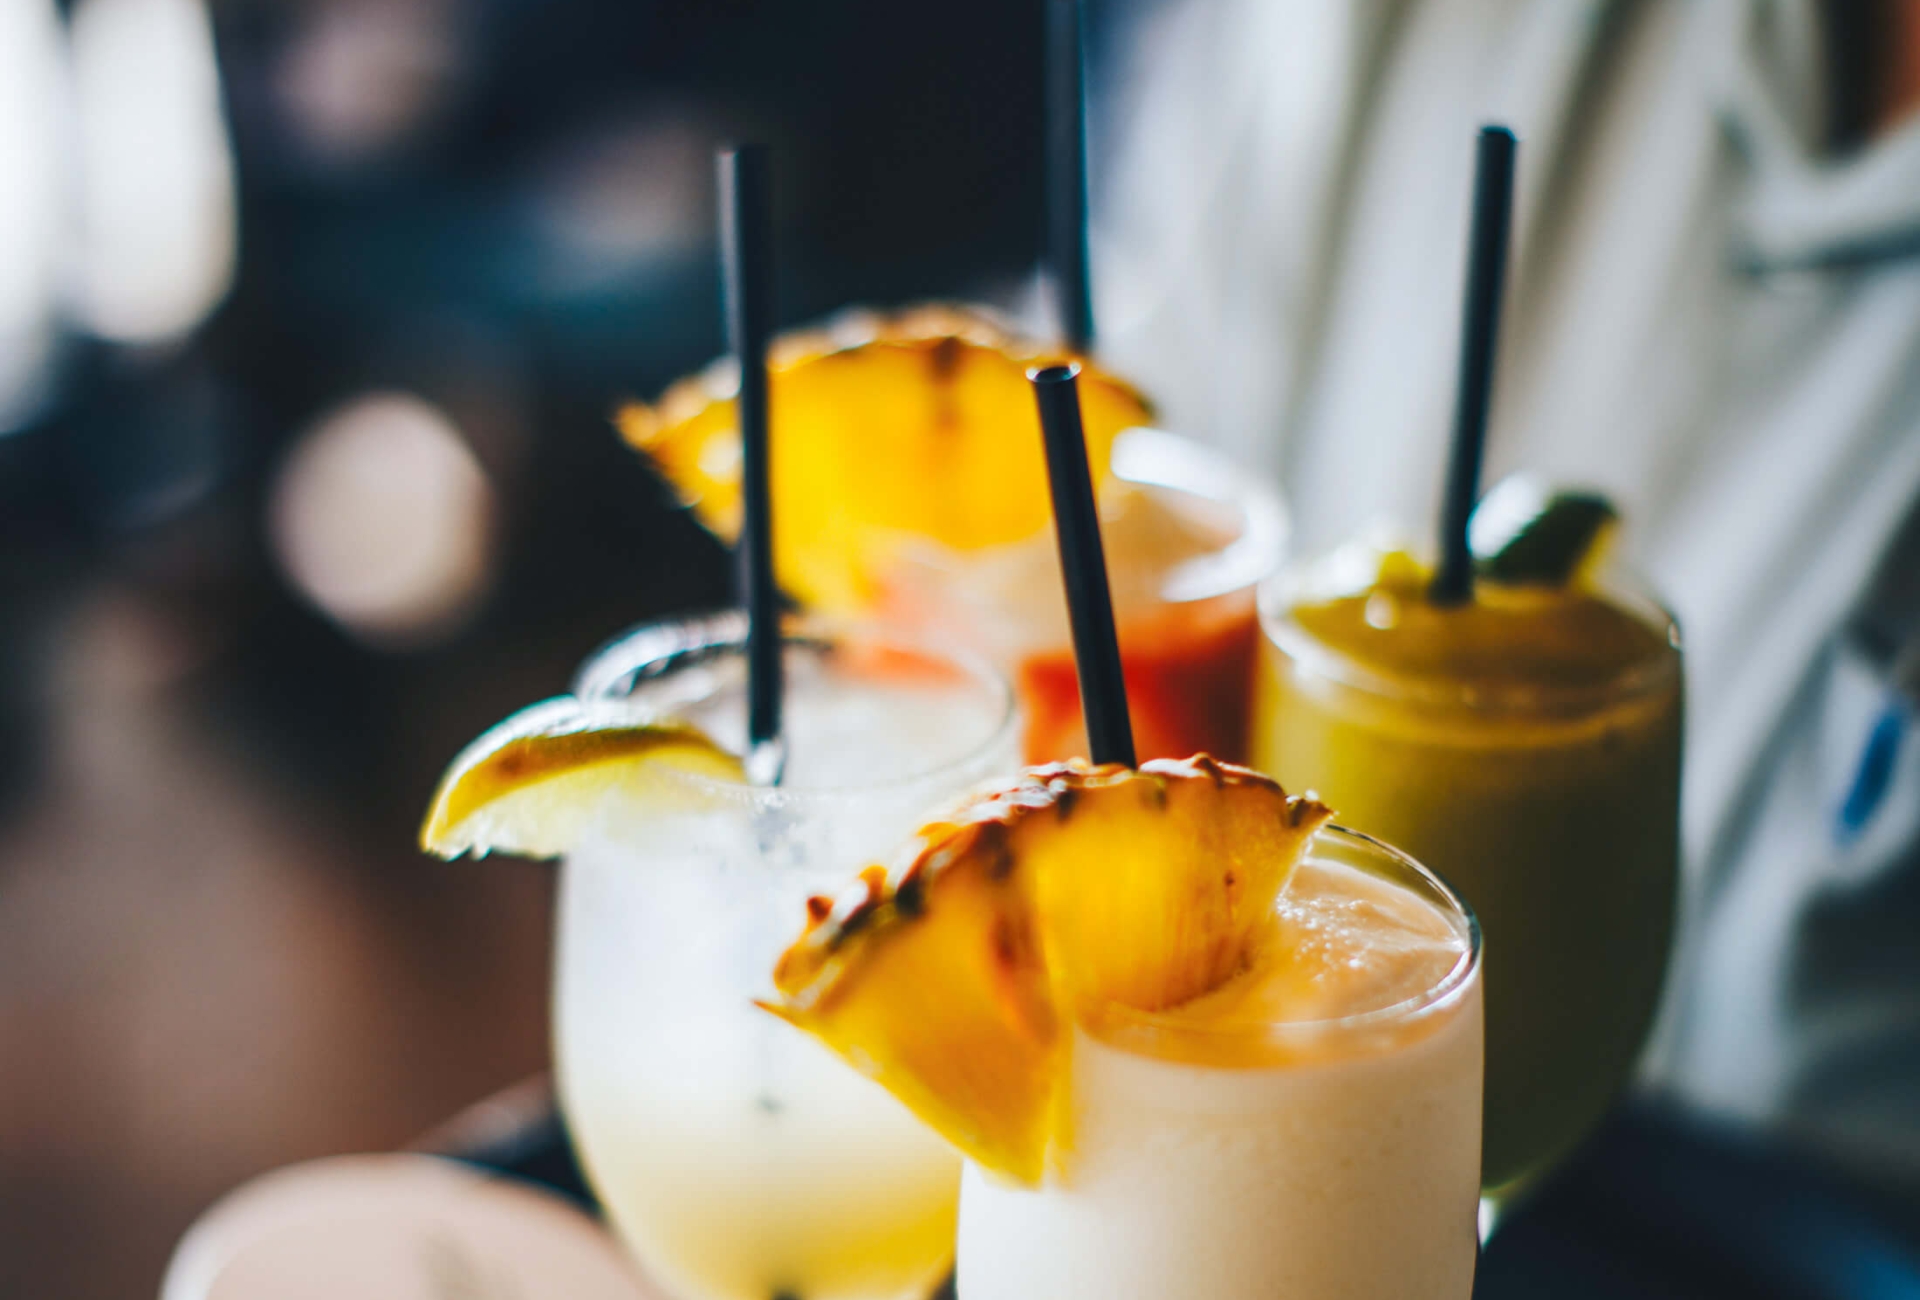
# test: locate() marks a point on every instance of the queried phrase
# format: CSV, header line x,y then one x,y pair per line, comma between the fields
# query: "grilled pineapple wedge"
x,y
955,977
919,424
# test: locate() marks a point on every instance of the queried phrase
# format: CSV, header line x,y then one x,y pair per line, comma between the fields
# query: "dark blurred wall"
x,y
465,231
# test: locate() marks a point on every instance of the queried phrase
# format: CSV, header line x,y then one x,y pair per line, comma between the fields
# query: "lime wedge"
x,y
1526,534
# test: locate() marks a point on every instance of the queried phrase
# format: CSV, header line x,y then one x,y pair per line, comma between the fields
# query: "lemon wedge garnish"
x,y
527,786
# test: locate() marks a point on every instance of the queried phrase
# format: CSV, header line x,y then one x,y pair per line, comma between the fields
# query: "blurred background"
x,y
312,315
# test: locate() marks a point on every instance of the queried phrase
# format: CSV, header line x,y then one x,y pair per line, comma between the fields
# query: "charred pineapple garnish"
x,y
920,424
954,977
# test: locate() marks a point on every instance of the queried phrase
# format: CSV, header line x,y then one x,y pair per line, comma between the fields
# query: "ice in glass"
x,y
737,1158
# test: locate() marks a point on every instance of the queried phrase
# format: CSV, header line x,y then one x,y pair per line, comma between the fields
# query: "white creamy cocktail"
x,y
1312,1129
1193,1040
737,1158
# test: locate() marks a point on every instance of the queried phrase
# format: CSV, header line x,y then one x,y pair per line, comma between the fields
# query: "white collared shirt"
x,y
1708,319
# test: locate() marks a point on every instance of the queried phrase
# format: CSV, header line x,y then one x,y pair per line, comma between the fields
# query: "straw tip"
x,y
765,762
1048,376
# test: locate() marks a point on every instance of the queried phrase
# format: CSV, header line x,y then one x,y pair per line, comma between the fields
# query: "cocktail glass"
x,y
1332,1148
1188,535
1549,797
737,1158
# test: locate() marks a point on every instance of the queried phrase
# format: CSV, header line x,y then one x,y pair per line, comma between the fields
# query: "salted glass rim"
x,y
1618,584
1437,998
651,651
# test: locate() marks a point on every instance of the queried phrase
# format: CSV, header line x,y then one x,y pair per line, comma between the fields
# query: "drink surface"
x,y
1188,659
1342,943
1188,664
1526,746
736,1157
1310,1128
1507,638
859,716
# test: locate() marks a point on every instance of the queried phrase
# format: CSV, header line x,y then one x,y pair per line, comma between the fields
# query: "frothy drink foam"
x,y
1311,1129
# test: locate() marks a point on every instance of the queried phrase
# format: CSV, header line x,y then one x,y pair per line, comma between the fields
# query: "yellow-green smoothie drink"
x,y
1526,745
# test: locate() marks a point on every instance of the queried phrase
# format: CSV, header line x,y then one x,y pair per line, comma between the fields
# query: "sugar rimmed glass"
x,y
736,1157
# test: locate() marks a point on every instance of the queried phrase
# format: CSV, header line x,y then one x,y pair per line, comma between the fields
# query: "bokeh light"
x,y
382,517
29,198
155,183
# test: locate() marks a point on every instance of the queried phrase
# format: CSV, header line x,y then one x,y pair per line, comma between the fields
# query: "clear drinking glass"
x,y
1551,800
1334,1154
737,1157
1188,537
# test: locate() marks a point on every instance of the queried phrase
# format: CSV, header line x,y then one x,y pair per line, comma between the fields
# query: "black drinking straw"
x,y
1480,334
1083,563
746,239
1066,128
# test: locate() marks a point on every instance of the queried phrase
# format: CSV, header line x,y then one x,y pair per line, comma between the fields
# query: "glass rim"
x,y
1437,998
650,651
1278,594
1153,457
